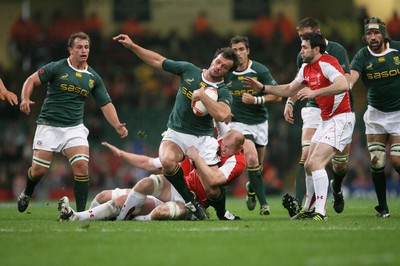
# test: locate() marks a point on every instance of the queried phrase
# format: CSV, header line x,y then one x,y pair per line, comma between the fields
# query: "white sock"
x,y
104,211
309,193
94,203
321,183
132,205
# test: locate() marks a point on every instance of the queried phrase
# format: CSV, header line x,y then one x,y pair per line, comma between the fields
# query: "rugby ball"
x,y
198,107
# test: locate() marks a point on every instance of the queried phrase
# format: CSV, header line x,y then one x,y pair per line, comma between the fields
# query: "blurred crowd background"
x,y
36,32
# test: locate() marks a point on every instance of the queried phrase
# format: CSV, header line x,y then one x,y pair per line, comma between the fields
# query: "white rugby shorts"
x,y
57,139
258,131
378,122
336,131
311,117
206,146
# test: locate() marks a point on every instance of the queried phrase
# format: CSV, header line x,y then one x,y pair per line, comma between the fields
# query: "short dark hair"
x,y
230,54
80,35
316,39
239,39
308,22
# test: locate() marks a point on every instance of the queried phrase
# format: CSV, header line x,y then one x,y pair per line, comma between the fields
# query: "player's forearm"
x,y
110,113
27,87
209,175
354,76
3,89
140,161
339,85
218,110
279,90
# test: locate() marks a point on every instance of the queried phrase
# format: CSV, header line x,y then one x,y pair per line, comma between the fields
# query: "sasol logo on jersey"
x,y
241,92
187,92
384,74
75,89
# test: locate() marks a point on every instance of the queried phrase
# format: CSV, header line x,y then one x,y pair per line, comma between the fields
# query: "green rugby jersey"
x,y
67,90
380,74
182,117
339,52
249,114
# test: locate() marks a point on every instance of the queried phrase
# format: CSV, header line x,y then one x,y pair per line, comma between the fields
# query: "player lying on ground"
x,y
154,198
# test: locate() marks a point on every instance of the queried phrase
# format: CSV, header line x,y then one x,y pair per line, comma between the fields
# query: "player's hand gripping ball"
x,y
198,107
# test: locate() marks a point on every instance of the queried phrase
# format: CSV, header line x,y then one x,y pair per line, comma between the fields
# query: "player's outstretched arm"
x,y
140,161
149,57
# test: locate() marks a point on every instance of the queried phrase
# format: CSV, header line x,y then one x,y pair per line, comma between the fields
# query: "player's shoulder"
x,y
328,58
394,44
181,64
93,72
334,45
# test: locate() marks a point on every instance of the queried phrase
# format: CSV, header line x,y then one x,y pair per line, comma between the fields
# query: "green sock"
x,y
379,180
30,185
219,203
300,182
337,181
81,191
176,178
257,183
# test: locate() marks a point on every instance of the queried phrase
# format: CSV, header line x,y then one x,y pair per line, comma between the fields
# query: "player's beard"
x,y
215,76
308,59
374,45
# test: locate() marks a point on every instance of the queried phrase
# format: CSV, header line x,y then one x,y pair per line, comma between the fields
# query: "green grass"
x,y
354,237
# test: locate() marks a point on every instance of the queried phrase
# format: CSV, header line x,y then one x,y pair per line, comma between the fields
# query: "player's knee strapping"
x,y
78,157
117,192
41,162
341,159
158,185
377,152
254,168
84,178
395,149
305,144
174,211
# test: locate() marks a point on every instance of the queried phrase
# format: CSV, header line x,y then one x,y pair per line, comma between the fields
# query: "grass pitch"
x,y
355,237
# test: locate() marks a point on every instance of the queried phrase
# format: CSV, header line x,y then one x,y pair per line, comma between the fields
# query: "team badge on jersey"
x,y
396,60
91,83
189,81
78,74
64,77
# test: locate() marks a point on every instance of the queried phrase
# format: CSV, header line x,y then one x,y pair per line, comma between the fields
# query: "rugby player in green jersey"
x,y
60,125
250,116
311,119
378,65
6,95
186,129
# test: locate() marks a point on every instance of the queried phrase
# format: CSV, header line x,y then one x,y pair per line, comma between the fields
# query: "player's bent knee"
x,y
377,153
175,211
158,184
339,163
